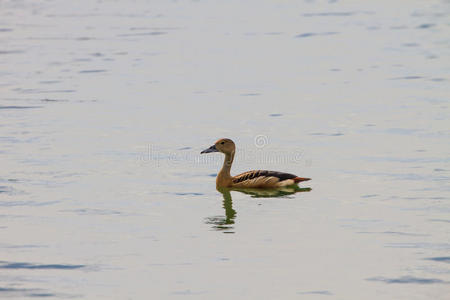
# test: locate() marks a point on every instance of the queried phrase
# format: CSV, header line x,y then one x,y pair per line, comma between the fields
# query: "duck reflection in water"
x,y
226,223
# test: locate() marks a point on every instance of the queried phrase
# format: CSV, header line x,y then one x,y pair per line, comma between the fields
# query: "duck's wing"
x,y
264,178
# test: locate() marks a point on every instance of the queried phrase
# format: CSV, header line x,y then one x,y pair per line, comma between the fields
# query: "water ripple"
x,y
23,265
17,107
326,293
408,279
331,14
445,259
311,34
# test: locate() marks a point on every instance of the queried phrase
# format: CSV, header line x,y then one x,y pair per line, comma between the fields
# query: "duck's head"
x,y
225,146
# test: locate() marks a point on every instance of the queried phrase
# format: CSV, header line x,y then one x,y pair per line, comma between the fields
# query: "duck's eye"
x,y
222,143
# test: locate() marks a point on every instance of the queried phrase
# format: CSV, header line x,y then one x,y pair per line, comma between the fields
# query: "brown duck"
x,y
250,179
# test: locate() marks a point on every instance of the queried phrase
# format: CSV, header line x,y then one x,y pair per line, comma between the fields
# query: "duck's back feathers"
x,y
264,178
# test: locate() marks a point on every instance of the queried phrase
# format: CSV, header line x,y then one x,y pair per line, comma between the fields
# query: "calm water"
x,y
106,105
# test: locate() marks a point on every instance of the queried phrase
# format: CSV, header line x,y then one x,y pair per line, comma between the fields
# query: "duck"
x,y
249,179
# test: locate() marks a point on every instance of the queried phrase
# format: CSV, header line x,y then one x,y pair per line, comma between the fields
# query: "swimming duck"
x,y
250,179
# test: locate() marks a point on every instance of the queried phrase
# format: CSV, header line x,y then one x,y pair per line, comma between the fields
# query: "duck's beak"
x,y
210,149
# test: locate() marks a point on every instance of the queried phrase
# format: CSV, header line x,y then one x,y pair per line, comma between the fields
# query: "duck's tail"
x,y
300,179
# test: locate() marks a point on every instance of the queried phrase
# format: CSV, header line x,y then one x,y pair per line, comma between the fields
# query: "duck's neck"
x,y
224,176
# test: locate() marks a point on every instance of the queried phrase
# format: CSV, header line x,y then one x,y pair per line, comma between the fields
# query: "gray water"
x,y
106,105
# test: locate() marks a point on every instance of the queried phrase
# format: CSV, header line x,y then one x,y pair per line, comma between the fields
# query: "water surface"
x,y
105,107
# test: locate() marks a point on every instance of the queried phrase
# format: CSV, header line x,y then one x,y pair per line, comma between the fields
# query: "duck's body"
x,y
250,179
264,178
